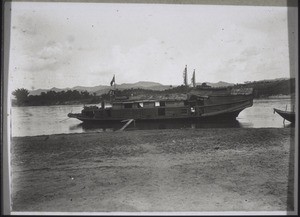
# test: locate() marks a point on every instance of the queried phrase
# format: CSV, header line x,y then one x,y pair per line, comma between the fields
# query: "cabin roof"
x,y
153,98
145,101
183,96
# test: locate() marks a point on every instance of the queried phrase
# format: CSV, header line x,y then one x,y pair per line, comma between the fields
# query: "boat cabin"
x,y
146,109
202,103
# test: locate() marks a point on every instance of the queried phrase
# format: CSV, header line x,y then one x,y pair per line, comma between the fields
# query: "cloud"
x,y
51,56
232,44
151,60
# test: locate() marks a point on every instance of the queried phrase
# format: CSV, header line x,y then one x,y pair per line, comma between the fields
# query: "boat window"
x,y
162,103
140,105
149,104
156,104
108,105
128,105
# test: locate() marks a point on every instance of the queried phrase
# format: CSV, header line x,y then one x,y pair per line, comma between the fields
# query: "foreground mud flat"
x,y
155,171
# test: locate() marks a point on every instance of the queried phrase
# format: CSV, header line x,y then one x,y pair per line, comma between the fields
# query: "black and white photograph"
x,y
152,107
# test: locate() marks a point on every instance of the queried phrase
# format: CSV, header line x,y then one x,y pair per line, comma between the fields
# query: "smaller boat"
x,y
287,115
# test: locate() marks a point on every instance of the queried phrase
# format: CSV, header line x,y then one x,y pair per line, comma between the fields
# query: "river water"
x,y
46,120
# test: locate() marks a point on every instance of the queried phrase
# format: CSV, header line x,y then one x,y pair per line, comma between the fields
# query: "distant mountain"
x,y
144,85
218,84
101,89
37,92
140,84
91,89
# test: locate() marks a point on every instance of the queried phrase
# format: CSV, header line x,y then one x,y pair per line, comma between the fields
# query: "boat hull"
x,y
217,117
290,116
163,124
209,108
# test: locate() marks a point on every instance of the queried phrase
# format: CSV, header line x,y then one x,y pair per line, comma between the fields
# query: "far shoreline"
x,y
291,96
280,96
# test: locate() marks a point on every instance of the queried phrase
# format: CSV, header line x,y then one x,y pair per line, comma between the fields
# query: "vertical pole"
x,y
114,82
194,79
115,88
185,79
283,118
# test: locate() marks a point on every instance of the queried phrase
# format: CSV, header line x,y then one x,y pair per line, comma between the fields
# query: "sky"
x,y
84,44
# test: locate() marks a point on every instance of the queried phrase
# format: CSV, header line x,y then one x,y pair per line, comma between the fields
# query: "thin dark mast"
x,y
114,82
194,79
185,79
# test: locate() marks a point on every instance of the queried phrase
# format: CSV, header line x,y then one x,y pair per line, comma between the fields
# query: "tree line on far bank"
x,y
262,89
266,88
53,98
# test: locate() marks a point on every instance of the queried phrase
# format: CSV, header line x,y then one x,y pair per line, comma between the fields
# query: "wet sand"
x,y
155,170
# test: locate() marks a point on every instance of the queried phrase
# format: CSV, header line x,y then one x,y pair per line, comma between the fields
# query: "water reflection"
x,y
289,125
45,120
90,127
151,125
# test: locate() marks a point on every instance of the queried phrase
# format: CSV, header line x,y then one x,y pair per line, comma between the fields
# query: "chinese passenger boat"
x,y
286,115
198,104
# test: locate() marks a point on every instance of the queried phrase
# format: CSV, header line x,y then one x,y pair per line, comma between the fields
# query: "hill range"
x,y
101,89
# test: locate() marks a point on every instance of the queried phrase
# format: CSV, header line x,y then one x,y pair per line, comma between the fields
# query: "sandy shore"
x,y
155,170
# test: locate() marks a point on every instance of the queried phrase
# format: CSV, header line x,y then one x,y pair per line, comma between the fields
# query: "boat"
x,y
286,115
198,104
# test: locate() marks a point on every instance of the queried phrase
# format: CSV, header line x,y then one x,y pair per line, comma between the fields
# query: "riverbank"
x,y
280,96
155,170
98,101
70,102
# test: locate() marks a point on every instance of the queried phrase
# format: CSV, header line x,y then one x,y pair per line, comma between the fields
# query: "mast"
x,y
185,79
194,79
112,92
114,83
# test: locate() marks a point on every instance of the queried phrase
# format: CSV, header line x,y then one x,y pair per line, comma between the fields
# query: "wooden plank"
x,y
126,125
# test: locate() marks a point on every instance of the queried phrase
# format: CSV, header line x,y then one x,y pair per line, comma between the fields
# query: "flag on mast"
x,y
112,81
